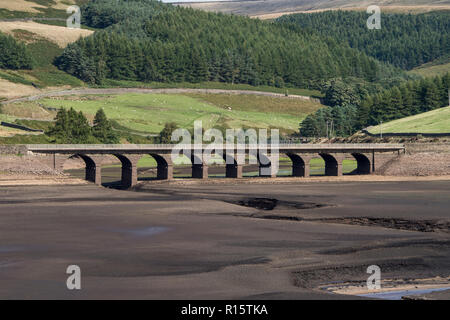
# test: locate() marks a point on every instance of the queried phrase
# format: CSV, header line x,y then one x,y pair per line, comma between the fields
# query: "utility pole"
x,y
381,129
332,128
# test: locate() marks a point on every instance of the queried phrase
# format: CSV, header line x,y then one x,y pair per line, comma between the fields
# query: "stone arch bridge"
x,y
369,158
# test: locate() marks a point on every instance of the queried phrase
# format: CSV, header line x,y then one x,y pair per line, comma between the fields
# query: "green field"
x,y
148,113
432,69
435,121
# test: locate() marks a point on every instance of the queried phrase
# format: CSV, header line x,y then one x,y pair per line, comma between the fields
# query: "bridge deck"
x,y
155,148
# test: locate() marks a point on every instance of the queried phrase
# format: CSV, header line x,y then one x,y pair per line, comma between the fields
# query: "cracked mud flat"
x,y
223,241
400,224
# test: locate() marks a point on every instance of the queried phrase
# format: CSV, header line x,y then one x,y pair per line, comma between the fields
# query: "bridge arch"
x,y
129,168
300,164
93,165
93,169
164,165
364,164
333,163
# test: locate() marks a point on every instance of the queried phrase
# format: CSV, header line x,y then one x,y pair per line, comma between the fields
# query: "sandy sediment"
x,y
391,285
33,179
24,164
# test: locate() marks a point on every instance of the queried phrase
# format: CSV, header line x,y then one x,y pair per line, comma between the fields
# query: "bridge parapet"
x,y
164,148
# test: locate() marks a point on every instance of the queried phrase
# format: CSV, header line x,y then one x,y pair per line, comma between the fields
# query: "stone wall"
x,y
13,149
412,148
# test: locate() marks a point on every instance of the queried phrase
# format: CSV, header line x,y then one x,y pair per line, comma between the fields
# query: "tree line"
x,y
150,41
14,54
350,109
73,128
404,40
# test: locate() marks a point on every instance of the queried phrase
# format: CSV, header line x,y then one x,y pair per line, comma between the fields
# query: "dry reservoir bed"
x,y
252,240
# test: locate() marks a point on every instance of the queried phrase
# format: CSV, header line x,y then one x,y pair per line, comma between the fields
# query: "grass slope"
x,y
16,9
273,8
432,69
435,121
44,74
30,31
147,113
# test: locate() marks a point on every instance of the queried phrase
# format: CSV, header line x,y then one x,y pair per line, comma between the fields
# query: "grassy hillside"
x,y
36,8
147,113
44,73
182,48
30,31
435,121
434,68
43,41
274,8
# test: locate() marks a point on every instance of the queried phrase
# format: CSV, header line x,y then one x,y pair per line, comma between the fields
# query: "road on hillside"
x,y
143,90
31,19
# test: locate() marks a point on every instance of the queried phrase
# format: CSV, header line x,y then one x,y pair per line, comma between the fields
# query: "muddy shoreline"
x,y
192,240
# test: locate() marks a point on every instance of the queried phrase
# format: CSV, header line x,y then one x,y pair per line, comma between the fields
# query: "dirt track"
x,y
143,90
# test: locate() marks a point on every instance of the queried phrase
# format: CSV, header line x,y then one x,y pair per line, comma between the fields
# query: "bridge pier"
x,y
234,171
93,168
199,167
164,166
333,163
199,171
233,165
265,166
129,169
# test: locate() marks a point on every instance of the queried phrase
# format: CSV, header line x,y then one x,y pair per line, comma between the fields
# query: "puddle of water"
x,y
397,295
6,249
144,232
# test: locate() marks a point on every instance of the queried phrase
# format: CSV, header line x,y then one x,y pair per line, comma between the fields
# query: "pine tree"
x,y
308,127
71,127
102,129
397,103
165,136
430,96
